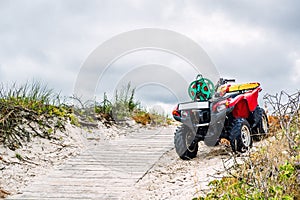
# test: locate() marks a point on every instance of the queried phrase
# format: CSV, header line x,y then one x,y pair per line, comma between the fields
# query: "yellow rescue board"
x,y
243,86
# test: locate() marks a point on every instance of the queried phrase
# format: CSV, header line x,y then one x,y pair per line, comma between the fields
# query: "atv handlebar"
x,y
224,81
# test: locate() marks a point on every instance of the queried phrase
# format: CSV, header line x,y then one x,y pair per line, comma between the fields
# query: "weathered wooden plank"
x,y
83,182
82,195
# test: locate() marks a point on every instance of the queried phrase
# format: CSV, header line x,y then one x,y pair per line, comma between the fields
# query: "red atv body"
x,y
228,111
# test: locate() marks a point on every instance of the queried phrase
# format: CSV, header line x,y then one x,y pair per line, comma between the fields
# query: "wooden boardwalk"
x,y
107,171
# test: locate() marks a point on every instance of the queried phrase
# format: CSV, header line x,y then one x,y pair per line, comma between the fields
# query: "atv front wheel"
x,y
185,145
240,135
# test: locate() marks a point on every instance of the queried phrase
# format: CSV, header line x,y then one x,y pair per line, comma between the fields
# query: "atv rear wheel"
x,y
263,124
261,129
240,135
185,145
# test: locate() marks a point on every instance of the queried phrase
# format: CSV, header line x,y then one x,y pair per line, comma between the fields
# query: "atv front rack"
x,y
193,105
239,87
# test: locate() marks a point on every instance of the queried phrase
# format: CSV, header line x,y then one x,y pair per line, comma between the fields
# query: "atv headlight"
x,y
221,107
184,114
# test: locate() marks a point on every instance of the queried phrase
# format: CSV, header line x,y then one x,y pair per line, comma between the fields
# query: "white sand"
x,y
173,178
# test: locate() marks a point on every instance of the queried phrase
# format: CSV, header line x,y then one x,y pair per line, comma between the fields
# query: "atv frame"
x,y
227,111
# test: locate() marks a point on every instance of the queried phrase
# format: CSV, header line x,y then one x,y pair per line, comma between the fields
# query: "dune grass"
x,y
30,110
124,106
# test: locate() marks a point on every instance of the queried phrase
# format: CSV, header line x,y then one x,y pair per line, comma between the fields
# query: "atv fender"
x,y
245,103
241,110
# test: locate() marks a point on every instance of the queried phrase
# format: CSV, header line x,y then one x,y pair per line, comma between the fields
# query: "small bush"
x,y
141,117
124,105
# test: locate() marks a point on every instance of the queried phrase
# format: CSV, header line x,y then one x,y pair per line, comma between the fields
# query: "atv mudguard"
x,y
245,103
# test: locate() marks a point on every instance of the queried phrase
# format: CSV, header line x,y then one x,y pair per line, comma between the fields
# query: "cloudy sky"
x,y
49,41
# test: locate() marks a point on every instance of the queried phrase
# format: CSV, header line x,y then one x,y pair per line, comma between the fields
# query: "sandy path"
x,y
173,178
164,176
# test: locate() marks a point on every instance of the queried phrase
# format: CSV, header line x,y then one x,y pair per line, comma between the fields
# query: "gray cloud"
x,y
275,14
267,59
249,41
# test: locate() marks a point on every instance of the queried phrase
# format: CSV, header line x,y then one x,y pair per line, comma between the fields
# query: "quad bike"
x,y
228,111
